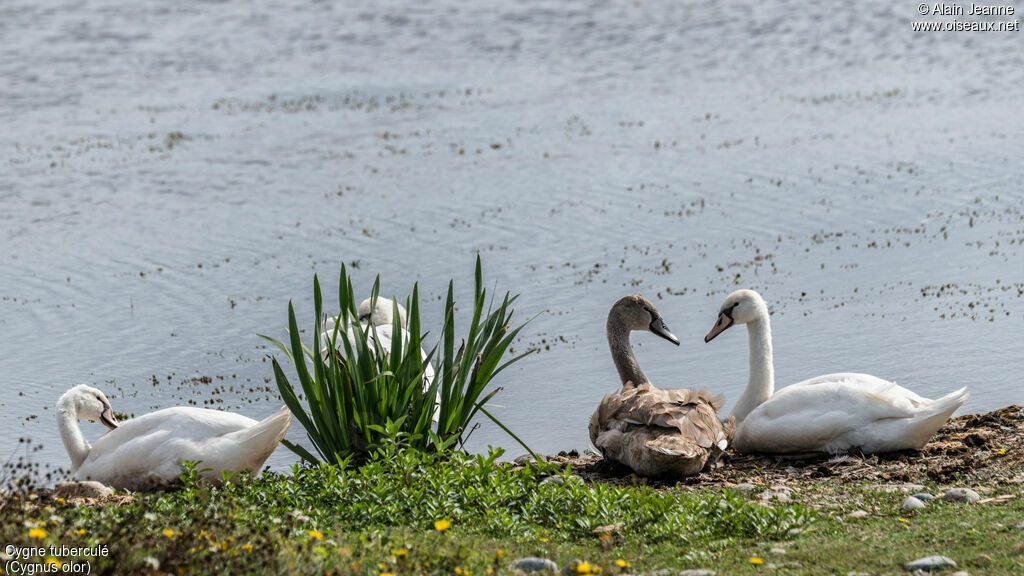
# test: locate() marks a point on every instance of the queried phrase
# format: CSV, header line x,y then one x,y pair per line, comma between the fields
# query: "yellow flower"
x,y
904,520
247,547
54,561
37,533
1002,450
80,531
400,552
442,525
168,532
316,534
583,568
387,574
622,563
542,539
460,571
61,500
756,560
498,553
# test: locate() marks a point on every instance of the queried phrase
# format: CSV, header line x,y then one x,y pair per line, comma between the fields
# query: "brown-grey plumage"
x,y
654,431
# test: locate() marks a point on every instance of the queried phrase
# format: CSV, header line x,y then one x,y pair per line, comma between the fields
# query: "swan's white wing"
x,y
835,412
868,385
154,444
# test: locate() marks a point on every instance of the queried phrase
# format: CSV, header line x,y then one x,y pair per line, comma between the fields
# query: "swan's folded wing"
x,y
694,413
860,396
676,445
182,423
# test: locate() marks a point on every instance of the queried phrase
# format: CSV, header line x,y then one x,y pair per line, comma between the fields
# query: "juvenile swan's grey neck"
x,y
67,423
762,371
622,353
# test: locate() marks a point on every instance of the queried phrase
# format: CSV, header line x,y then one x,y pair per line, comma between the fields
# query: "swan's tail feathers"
x,y
948,404
934,414
253,445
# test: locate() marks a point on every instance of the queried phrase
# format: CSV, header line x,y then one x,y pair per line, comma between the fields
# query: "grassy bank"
x,y
409,513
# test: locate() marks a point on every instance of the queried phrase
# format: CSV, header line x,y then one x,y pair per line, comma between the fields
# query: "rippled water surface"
x,y
172,174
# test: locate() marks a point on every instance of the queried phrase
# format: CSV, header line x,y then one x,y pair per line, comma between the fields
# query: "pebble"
x,y
776,551
960,573
898,487
961,495
1020,526
87,489
525,459
924,496
777,493
859,514
532,564
744,487
698,572
912,503
795,531
929,563
559,481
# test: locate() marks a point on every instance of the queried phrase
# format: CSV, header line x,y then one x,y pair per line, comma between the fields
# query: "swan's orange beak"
x,y
108,419
724,321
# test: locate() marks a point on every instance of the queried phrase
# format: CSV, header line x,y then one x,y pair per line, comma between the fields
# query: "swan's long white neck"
x,y
67,422
762,371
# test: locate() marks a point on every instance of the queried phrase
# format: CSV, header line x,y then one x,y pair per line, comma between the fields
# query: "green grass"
x,y
383,517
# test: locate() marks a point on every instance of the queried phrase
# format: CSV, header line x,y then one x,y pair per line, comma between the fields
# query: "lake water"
x,y
172,174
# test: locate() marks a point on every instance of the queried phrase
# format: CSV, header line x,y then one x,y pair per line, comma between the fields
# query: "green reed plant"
x,y
360,393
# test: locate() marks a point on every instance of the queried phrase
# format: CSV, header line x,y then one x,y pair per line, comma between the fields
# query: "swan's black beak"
x,y
724,321
659,328
108,419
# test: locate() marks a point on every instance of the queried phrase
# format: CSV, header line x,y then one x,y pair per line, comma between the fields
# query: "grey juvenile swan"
x,y
654,431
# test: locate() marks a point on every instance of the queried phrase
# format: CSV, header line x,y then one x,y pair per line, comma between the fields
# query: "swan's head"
x,y
637,313
740,307
381,313
88,403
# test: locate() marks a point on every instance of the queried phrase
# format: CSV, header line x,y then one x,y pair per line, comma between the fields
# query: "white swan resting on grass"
x,y
381,316
146,453
831,413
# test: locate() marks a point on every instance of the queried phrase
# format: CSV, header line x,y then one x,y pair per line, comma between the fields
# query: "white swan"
x,y
830,413
380,315
146,453
654,431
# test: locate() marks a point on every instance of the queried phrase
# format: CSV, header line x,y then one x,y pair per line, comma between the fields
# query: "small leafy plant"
x,y
360,392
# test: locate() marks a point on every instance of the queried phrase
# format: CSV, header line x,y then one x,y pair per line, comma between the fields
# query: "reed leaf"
x,y
360,392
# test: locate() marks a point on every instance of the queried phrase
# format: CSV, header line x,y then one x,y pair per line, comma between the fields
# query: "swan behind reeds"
x,y
380,315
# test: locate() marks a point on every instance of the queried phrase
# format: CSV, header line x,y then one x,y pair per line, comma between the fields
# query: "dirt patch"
x,y
975,449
